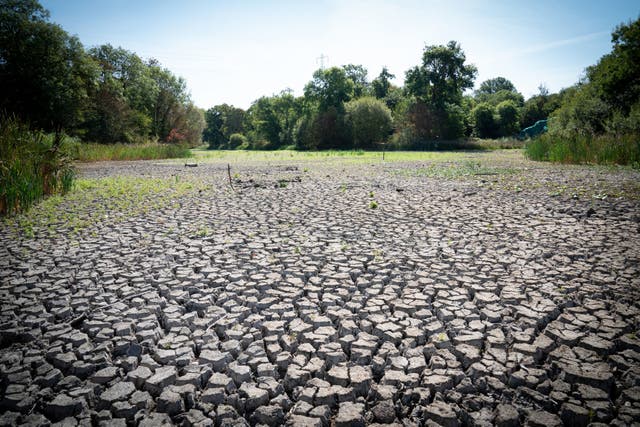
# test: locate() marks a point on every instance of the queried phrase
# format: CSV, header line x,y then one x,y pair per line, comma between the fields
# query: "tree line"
x,y
108,94
103,94
342,109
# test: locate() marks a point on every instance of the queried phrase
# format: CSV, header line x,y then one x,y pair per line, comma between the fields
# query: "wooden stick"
x,y
229,173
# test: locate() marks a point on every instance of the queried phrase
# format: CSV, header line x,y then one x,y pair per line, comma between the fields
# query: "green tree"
x,y
484,121
221,122
437,86
330,88
358,75
538,107
45,74
170,99
123,103
508,114
382,84
442,76
369,120
491,86
616,77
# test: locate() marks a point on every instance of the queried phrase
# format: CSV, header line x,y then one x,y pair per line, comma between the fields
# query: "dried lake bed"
x,y
474,288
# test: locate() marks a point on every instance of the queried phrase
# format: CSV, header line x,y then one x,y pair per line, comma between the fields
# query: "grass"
x,y
347,156
605,149
91,152
456,169
110,200
32,165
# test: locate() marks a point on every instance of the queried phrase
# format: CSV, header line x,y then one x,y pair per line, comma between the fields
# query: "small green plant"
x,y
371,194
373,204
343,188
282,183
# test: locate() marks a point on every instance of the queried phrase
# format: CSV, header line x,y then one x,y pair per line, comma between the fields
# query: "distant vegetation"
x,y
52,86
598,119
103,94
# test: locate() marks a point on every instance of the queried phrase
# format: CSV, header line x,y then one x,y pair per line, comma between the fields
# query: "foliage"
x,y
369,120
381,85
484,122
437,85
105,94
539,107
86,152
45,74
598,120
238,141
508,118
271,120
616,77
495,85
442,76
358,75
330,89
32,165
585,148
221,122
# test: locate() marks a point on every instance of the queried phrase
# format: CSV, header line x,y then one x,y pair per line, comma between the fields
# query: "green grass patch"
x,y
605,149
109,200
91,152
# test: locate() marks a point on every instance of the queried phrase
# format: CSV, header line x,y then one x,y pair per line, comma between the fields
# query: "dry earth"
x,y
502,294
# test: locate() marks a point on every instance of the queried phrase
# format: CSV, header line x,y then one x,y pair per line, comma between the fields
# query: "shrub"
x,y
238,141
369,120
603,149
32,165
484,123
508,118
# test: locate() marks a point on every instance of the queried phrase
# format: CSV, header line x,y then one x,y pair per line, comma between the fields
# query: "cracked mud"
x,y
294,299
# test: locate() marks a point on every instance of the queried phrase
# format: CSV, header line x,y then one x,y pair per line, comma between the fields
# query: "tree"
x,y
221,122
45,74
330,88
382,84
358,75
491,86
171,97
538,107
442,76
369,120
508,118
616,77
484,122
438,84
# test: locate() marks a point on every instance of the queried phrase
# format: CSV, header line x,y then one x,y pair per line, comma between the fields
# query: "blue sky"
x,y
236,51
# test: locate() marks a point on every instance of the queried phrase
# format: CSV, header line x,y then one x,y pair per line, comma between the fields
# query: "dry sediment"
x,y
291,301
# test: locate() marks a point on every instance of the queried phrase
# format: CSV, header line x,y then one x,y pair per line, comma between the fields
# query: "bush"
x,y
508,118
484,123
238,141
32,165
369,120
603,149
